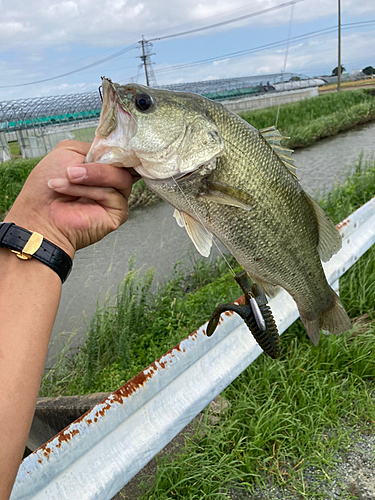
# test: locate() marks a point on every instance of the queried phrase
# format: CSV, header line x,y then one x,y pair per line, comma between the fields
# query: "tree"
x,y
335,72
369,70
295,79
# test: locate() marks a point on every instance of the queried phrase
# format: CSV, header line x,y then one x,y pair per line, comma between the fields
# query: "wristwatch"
x,y
26,245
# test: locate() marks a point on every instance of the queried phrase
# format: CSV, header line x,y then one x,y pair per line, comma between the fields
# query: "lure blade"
x,y
257,315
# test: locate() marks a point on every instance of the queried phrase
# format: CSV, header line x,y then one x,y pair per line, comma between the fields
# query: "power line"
x,y
223,23
260,48
108,58
240,53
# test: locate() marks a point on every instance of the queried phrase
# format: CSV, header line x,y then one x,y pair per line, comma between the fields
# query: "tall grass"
x,y
309,120
13,175
353,193
140,326
282,416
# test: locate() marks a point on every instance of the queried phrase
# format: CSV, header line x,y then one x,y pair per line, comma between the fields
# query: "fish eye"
x,y
143,102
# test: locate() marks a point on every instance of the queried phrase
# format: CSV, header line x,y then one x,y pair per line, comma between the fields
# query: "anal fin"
x,y
329,238
267,288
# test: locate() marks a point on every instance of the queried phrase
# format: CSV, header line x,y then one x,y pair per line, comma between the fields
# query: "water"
x,y
329,160
158,241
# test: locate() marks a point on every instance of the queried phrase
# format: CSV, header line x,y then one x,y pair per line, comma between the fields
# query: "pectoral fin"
x,y
224,194
201,238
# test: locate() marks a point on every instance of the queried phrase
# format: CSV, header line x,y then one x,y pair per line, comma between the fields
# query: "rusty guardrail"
x,y
99,453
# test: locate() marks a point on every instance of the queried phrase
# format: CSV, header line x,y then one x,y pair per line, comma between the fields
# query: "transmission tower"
x,y
146,61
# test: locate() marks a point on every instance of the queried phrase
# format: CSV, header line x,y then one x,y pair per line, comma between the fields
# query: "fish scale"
x,y
221,173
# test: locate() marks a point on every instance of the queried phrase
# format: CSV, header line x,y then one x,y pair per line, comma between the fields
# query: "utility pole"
x,y
339,48
144,58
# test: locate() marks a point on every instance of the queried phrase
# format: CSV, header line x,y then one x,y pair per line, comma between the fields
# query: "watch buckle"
x,y
32,246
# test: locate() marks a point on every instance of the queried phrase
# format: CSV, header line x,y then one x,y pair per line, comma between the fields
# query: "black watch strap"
x,y
17,238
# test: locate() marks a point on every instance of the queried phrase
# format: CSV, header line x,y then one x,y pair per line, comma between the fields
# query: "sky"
x,y
44,39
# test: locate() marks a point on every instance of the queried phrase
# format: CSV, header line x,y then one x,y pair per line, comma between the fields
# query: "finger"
x,y
99,174
76,146
109,198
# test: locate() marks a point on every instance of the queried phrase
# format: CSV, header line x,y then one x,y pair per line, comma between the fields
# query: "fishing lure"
x,y
256,314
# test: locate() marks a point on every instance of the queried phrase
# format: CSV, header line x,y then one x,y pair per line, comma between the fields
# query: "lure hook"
x,y
256,314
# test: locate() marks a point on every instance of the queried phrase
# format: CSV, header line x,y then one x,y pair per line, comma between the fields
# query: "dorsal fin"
x,y
273,137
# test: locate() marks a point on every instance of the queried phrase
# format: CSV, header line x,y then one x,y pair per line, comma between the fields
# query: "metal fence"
x,y
100,452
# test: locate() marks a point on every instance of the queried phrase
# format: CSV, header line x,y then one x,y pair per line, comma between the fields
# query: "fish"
x,y
228,180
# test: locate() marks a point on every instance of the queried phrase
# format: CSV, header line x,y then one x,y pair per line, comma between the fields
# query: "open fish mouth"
x,y
132,133
113,135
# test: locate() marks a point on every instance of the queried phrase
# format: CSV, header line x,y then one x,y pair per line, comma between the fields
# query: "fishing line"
x,y
276,121
271,152
202,224
286,58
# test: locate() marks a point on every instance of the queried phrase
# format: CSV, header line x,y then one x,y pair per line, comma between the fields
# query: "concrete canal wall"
x,y
269,99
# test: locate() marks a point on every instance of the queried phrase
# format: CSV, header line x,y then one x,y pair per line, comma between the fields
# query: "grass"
x,y
307,121
283,415
13,175
124,338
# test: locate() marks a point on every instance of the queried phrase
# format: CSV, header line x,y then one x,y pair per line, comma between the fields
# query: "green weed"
x,y
13,174
309,120
281,416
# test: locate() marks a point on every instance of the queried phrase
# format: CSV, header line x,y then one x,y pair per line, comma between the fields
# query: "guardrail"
x,y
100,452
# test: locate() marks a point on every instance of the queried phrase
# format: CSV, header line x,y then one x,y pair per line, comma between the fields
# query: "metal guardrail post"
x,y
100,452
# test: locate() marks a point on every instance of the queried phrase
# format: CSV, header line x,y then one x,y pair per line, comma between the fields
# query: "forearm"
x,y
72,205
29,297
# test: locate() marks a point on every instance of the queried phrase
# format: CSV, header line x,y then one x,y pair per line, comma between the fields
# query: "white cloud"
x,y
43,38
115,23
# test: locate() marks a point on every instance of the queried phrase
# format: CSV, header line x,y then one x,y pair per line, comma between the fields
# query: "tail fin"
x,y
333,319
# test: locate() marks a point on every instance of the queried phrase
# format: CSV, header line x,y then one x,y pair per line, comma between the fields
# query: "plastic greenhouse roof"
x,y
42,111
48,110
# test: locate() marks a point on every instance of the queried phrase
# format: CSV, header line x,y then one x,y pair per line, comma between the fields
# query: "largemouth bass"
x,y
226,179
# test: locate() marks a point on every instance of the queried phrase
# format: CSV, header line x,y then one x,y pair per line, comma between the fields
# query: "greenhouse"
x,y
33,127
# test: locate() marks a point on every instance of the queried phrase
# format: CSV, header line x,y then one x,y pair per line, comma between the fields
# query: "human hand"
x,y
69,203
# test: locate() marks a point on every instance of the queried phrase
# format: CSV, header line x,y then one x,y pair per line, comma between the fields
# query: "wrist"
x,y
32,245
34,223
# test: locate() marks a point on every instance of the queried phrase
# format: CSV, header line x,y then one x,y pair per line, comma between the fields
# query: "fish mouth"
x,y
116,128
